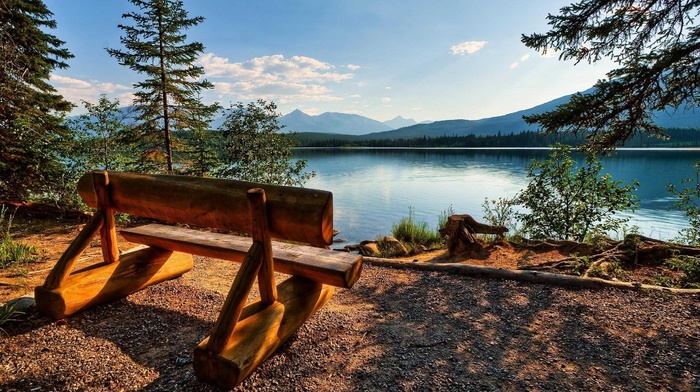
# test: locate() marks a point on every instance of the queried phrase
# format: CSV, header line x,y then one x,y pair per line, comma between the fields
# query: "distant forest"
x,y
679,137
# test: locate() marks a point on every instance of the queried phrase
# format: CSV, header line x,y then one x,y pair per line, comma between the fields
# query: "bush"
x,y
499,212
8,314
413,232
690,266
566,202
689,203
11,251
443,217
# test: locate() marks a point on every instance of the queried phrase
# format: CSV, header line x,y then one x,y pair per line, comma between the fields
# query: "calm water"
x,y
373,188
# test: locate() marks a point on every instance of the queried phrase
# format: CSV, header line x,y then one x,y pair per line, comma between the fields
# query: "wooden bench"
x,y
243,336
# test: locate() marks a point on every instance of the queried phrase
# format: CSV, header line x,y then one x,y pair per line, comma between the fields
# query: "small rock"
x,y
394,247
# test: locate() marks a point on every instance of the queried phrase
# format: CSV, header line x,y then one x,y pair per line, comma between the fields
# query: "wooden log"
x,y
65,264
260,331
235,300
108,232
136,269
295,214
478,271
340,269
261,233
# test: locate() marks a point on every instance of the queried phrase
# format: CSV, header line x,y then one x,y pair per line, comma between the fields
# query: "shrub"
x,y
500,212
11,251
690,266
444,216
565,202
689,203
413,232
8,314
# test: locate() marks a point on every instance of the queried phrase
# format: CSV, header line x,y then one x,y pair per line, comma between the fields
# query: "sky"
x,y
425,60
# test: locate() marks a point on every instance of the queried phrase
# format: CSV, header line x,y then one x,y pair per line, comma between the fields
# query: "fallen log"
x,y
523,276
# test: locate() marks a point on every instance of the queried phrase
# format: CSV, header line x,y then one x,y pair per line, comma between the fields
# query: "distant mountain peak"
x,y
331,122
400,122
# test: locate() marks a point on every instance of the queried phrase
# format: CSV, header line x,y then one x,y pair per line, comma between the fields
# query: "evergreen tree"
x,y
255,150
31,132
169,96
656,46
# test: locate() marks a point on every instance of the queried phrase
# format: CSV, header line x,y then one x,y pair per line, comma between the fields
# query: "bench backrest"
x,y
294,214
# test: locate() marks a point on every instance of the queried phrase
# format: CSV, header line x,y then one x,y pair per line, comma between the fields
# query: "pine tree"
x,y
169,96
31,132
656,46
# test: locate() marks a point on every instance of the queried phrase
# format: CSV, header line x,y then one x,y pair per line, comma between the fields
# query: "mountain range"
x,y
335,124
341,123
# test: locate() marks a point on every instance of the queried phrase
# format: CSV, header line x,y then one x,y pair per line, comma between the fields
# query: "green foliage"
x,y
500,212
169,96
443,217
413,232
690,266
654,45
8,314
31,132
201,152
101,140
580,265
565,202
689,203
13,252
254,150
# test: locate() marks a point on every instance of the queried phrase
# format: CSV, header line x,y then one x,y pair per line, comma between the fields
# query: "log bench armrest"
x,y
340,269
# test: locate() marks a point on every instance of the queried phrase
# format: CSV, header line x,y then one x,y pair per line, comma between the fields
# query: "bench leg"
x,y
104,282
261,330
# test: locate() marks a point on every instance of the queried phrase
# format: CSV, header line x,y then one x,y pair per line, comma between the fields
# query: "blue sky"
x,y
427,60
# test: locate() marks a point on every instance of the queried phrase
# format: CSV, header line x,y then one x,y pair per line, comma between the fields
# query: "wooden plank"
x,y
295,214
236,299
340,269
261,234
65,264
136,269
260,331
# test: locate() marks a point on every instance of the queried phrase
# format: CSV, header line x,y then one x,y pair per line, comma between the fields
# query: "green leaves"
x,y
255,150
563,201
656,46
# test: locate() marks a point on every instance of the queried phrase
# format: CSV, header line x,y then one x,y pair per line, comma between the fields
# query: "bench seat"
x,y
340,269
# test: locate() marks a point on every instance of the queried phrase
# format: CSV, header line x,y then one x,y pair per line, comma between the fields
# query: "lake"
x,y
373,188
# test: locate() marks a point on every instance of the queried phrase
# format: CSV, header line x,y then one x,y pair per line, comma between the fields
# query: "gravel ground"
x,y
394,331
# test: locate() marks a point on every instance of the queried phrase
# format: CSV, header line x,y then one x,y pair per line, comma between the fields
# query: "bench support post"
x,y
242,338
66,292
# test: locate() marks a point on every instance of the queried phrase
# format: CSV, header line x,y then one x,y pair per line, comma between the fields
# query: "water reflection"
x,y
373,188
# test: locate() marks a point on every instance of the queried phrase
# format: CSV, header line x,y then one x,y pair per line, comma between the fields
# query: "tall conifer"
x,y
31,130
168,99
655,45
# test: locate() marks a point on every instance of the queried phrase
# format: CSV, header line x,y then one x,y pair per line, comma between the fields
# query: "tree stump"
x,y
460,230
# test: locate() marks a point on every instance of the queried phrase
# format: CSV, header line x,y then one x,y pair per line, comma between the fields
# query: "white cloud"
x,y
77,90
467,47
353,67
387,88
522,59
297,78
386,99
355,96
